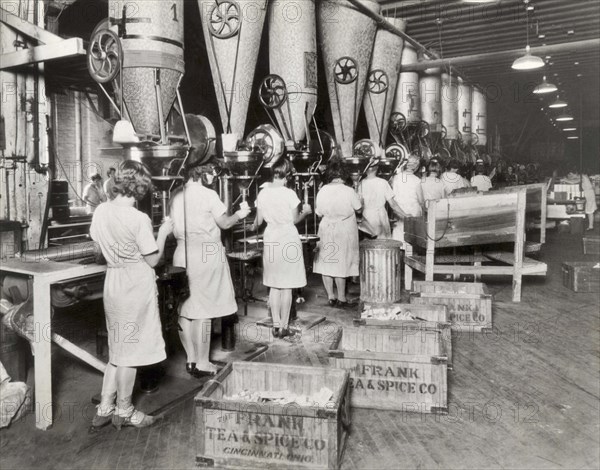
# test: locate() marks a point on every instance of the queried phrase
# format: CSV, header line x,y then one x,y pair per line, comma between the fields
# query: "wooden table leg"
x,y
42,350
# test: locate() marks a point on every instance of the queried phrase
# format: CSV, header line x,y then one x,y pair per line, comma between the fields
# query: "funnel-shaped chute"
x,y
407,101
151,35
450,105
347,37
232,31
382,80
465,105
479,116
293,57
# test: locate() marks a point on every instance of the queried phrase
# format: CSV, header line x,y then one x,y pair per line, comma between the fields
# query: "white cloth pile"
x,y
393,312
283,397
15,398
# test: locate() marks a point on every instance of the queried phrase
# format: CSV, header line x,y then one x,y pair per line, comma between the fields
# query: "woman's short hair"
x,y
480,168
282,168
454,164
132,179
434,166
411,163
336,169
96,177
199,172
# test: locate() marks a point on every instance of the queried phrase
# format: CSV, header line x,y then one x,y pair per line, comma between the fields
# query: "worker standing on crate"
x,y
283,258
199,216
126,238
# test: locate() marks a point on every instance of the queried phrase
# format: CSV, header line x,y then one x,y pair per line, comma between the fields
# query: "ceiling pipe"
x,y
503,55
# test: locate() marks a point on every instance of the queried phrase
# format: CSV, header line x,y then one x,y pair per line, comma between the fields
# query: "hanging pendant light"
x,y
563,117
528,61
544,87
558,103
569,129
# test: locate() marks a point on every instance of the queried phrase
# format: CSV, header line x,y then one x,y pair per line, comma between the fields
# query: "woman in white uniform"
x,y
337,257
574,177
432,186
198,216
451,179
408,193
283,259
375,194
480,180
126,238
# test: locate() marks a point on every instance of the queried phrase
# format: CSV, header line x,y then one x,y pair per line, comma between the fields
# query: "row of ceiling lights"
x,y
532,62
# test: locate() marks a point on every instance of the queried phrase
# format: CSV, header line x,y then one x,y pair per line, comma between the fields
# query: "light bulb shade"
x,y
544,88
558,104
563,117
572,137
569,129
528,62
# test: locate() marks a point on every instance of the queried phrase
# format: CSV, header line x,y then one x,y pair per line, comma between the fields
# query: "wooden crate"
x,y
469,303
432,313
422,331
238,434
392,371
591,245
581,276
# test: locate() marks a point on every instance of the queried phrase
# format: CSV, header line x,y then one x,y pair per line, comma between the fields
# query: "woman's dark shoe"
x,y
189,367
346,304
333,302
200,374
275,332
99,421
284,332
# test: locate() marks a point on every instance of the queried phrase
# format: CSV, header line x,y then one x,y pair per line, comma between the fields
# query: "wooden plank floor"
x,y
524,396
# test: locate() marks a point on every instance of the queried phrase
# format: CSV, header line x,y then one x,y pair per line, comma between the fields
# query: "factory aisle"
x,y
524,396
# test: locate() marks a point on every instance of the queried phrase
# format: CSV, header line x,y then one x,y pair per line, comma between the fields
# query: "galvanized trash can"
x,y
380,271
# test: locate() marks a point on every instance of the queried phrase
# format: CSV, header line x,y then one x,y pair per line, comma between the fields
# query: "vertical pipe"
x,y
78,153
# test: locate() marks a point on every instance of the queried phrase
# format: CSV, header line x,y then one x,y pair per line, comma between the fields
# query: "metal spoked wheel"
x,y
104,55
423,129
444,131
345,70
365,148
272,92
474,138
397,123
377,82
224,19
396,151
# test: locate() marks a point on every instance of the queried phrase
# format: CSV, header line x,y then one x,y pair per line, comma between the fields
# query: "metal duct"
x,y
232,31
151,35
293,56
479,116
465,105
407,99
346,37
450,105
382,80
430,93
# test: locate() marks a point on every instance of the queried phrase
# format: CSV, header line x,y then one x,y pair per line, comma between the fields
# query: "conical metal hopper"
x,y
407,101
382,80
151,36
293,56
465,105
479,116
232,31
346,37
430,92
450,105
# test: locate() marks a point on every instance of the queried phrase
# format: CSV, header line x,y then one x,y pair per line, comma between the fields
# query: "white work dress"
x,y
409,196
337,254
125,235
452,181
433,189
283,260
211,289
375,193
481,182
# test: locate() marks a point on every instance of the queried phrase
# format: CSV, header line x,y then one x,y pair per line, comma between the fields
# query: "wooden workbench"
x,y
43,275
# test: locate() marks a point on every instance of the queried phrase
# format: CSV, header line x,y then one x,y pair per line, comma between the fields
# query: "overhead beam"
x,y
491,57
65,48
28,29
